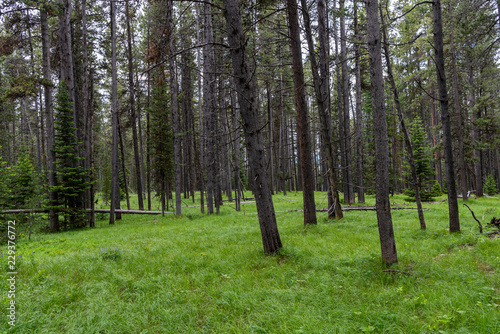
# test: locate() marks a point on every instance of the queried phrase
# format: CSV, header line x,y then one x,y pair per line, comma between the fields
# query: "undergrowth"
x,y
209,274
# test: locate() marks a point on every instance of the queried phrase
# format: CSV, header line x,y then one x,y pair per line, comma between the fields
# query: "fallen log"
x,y
140,212
143,212
24,211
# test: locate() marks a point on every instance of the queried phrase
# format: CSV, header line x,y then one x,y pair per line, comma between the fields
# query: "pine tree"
x,y
4,187
422,162
22,179
490,186
161,141
70,174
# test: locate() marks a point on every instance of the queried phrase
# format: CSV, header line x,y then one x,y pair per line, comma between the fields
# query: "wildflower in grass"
x,y
111,254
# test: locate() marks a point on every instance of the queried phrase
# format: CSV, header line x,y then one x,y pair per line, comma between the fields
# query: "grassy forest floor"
x,y
200,274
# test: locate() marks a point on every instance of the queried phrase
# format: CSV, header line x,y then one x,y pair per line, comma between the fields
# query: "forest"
x,y
343,112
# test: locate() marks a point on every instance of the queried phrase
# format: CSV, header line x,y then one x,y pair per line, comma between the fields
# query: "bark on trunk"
x,y
175,109
302,115
384,218
115,178
208,106
458,116
340,105
49,116
349,195
133,114
66,57
148,156
445,118
359,111
201,153
187,106
122,160
409,148
475,130
247,98
87,124
322,100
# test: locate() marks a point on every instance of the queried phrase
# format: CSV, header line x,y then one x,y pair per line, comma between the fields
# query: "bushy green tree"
x,y
436,189
490,186
422,163
22,180
161,140
4,187
70,173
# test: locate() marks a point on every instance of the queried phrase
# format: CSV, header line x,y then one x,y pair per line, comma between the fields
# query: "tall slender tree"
x,y
302,115
384,218
87,120
322,99
115,178
348,183
49,116
359,111
406,134
445,117
209,106
247,98
133,112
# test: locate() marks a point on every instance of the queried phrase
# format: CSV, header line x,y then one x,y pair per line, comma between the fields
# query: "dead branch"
x,y
474,216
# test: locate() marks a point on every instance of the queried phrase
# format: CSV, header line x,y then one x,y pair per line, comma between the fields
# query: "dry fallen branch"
x,y
474,216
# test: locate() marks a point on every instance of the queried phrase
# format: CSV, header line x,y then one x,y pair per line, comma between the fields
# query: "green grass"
x,y
200,274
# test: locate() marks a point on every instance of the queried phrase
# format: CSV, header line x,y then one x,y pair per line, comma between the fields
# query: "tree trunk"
x,y
322,100
458,116
247,97
340,107
302,115
282,173
445,118
349,195
227,153
409,148
124,170
49,116
115,178
87,124
66,57
479,192
209,106
91,147
201,152
37,128
236,150
384,218
133,114
148,130
175,108
187,106
270,135
359,112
